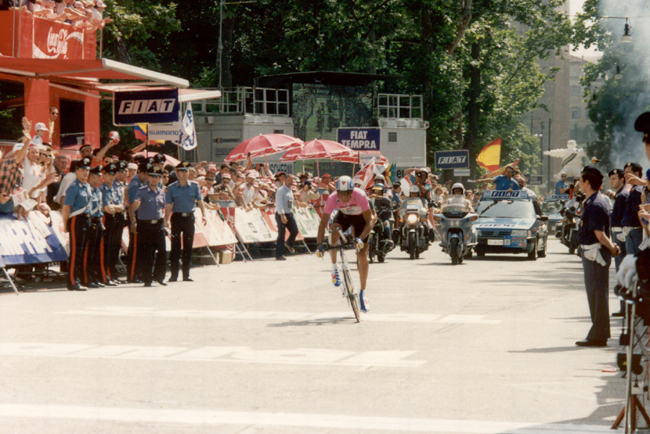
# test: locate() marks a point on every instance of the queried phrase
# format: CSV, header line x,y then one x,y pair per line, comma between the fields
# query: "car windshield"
x,y
506,209
551,207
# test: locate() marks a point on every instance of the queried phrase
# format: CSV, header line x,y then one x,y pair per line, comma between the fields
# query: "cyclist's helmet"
x,y
414,189
456,186
344,183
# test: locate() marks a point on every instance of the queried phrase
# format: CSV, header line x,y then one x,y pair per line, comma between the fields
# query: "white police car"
x,y
510,222
551,207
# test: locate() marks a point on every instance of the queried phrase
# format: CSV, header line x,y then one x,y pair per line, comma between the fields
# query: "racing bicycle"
x,y
349,291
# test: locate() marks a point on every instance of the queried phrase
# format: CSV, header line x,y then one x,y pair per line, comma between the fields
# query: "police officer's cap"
x,y
84,163
183,166
97,170
155,171
159,158
139,159
642,124
144,167
122,166
111,169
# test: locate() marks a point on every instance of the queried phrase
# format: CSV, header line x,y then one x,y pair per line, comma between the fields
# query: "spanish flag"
x,y
490,156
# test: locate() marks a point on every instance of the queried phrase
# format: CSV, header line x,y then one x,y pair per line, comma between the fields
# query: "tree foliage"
x,y
475,61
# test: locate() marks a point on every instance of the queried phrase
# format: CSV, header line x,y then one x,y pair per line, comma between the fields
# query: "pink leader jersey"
x,y
356,206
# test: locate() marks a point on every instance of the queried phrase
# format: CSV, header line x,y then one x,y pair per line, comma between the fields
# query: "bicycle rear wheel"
x,y
352,297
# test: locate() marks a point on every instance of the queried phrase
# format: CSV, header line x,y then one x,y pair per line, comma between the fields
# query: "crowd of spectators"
x,y
86,14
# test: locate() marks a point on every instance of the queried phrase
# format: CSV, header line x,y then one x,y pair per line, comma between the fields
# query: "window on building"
x,y
575,112
576,90
392,137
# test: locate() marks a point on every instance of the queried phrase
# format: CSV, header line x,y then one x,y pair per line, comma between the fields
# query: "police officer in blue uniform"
x,y
630,222
113,207
617,180
76,220
597,252
150,203
138,181
182,197
94,272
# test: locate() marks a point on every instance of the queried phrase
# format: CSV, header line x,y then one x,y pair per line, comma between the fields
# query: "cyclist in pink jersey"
x,y
354,211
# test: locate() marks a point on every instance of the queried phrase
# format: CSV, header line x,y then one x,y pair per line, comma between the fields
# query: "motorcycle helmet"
x,y
458,185
379,179
414,189
344,183
378,188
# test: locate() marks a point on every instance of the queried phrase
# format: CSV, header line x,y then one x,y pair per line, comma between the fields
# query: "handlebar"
x,y
346,246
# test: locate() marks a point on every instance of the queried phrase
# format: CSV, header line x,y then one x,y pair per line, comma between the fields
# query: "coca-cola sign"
x,y
57,41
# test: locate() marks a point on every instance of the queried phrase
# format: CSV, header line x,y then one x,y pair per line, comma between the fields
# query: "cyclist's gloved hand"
x,y
358,243
320,251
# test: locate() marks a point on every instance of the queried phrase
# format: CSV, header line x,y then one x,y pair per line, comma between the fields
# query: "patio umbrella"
x,y
262,145
169,159
319,149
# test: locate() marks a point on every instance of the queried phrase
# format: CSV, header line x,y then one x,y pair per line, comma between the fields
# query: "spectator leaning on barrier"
x,y
150,203
11,176
61,163
182,198
308,193
284,218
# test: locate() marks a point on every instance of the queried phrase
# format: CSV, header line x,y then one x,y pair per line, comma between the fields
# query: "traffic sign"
x,y
461,172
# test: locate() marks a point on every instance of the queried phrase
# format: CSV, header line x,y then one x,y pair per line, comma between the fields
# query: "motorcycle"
x,y
456,229
414,230
379,244
567,229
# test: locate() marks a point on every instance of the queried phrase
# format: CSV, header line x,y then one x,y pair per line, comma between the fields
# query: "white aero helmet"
x,y
457,185
414,189
344,183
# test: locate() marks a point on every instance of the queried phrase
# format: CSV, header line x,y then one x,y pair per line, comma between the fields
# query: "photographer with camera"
x,y
597,252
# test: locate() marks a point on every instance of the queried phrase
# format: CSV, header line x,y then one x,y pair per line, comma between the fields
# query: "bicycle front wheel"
x,y
352,297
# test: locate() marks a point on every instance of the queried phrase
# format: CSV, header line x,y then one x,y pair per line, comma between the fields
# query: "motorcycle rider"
x,y
353,211
382,204
458,196
415,195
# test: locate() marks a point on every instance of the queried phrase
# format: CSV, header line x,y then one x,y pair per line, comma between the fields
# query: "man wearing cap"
x,y
94,271
113,207
617,181
76,220
138,181
41,134
597,252
150,203
182,197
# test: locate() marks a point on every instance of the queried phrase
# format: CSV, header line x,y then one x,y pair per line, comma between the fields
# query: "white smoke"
x,y
628,145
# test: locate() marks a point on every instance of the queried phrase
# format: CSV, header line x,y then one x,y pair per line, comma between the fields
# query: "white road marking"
x,y
298,356
365,423
285,316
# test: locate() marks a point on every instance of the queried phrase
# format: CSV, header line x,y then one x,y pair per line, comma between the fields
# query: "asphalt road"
x,y
271,347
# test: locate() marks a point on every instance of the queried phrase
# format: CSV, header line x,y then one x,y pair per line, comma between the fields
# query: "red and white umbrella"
x,y
318,149
262,145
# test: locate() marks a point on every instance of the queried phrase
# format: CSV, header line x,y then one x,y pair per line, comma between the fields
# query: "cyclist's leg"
x,y
335,241
363,265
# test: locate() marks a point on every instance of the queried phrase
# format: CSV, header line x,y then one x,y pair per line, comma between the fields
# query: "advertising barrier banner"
x,y
308,221
269,216
216,232
30,242
252,227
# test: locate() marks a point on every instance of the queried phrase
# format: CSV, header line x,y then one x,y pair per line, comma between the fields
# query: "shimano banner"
x,y
452,159
150,106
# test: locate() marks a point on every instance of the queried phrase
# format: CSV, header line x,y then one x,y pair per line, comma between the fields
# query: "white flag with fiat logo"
x,y
188,132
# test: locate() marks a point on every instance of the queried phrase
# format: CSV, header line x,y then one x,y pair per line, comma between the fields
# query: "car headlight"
x,y
519,233
412,219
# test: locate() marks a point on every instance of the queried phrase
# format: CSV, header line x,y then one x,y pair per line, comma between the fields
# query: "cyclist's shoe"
x,y
336,277
363,301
